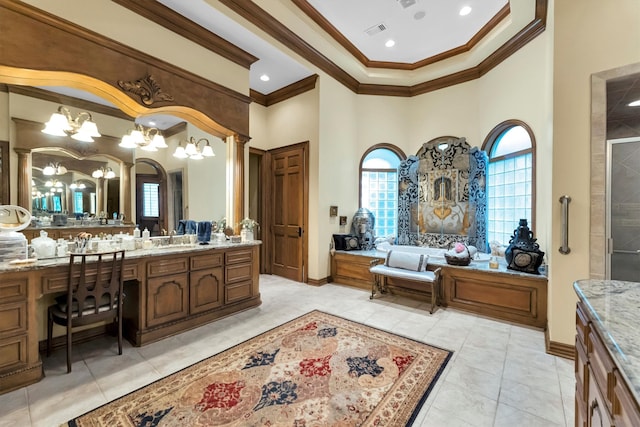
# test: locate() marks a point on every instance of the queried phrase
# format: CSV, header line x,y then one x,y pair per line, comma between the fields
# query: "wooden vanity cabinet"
x,y
182,292
16,353
603,397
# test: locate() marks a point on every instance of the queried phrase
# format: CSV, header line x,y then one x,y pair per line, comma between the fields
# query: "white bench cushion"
x,y
407,260
420,276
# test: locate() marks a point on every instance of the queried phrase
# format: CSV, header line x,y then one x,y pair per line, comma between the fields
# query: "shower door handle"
x,y
622,251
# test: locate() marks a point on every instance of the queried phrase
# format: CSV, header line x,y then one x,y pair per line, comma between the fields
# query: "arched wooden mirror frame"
x,y
134,81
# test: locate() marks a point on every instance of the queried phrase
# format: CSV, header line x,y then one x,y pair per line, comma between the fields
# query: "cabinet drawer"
x,y
582,323
13,318
237,292
601,368
57,279
13,353
625,410
582,371
236,257
237,273
200,262
167,266
13,289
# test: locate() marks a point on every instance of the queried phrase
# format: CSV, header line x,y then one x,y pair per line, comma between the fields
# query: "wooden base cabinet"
x,y
520,298
186,291
602,396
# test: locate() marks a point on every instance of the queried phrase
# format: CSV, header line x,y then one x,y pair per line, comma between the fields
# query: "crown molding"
x,y
286,92
319,19
167,18
259,17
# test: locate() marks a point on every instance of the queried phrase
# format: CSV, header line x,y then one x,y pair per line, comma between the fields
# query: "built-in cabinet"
x,y
603,397
181,292
166,292
512,296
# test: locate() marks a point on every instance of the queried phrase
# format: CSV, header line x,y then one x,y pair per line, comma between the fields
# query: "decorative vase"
x,y
246,235
523,253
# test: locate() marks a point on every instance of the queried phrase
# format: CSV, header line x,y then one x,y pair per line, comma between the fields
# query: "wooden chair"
x,y
94,294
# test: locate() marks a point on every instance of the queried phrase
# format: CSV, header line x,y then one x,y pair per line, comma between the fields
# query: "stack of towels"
x,y
204,232
187,226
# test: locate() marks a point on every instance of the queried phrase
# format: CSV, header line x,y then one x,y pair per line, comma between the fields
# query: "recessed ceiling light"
x,y
264,78
419,15
465,10
390,43
635,103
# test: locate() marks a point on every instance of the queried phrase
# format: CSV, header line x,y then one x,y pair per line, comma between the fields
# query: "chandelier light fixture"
x,y
77,186
148,139
82,128
194,150
106,173
54,169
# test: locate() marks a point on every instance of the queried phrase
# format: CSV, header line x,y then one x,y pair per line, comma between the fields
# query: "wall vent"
x,y
406,3
375,29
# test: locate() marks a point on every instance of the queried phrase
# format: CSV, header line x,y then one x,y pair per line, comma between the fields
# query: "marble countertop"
x,y
138,253
615,306
475,265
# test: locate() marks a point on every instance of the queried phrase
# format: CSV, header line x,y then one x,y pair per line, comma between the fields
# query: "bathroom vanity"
x,y
607,359
168,290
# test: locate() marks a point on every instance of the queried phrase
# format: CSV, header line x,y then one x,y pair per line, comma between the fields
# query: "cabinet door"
x,y
597,411
167,299
625,411
205,290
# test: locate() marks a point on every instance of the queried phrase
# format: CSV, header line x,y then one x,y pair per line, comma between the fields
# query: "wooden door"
x,y
289,206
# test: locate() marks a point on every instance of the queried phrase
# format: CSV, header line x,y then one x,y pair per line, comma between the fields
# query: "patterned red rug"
x,y
316,370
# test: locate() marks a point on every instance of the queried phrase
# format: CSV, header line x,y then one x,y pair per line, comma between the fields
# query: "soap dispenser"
x,y
145,234
136,232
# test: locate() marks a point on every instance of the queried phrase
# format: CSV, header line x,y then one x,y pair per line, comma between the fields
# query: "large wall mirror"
x,y
615,174
63,176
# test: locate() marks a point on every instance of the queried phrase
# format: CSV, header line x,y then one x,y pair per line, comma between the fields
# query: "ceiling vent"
x,y
375,29
406,3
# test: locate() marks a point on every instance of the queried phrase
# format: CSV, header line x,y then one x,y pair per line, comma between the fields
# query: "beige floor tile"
x,y
480,387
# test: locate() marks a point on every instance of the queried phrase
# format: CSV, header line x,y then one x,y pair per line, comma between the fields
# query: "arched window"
x,y
510,179
379,186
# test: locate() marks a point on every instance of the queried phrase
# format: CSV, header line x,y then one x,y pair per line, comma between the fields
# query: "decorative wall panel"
x,y
442,197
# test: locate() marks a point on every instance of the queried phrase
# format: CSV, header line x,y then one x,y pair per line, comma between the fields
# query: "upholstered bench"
x,y
408,272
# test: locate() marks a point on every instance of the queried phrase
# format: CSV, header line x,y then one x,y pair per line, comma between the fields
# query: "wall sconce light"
x,y
106,173
76,186
82,128
148,139
54,169
193,150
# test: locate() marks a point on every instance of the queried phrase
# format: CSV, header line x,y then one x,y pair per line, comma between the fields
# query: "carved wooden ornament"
x,y
147,88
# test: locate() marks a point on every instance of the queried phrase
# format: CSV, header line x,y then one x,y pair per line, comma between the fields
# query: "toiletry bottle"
x,y
145,234
136,232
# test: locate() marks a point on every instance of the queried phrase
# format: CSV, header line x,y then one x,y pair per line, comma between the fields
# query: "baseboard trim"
x,y
559,349
317,282
78,337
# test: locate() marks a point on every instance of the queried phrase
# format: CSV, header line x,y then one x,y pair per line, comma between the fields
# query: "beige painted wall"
x,y
594,37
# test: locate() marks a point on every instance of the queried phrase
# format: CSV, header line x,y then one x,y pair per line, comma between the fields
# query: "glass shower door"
x,y
623,206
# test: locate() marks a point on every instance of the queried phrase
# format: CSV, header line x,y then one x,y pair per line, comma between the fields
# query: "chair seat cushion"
x,y
421,276
406,260
60,309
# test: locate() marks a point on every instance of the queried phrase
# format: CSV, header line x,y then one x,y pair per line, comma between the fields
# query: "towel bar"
x,y
564,249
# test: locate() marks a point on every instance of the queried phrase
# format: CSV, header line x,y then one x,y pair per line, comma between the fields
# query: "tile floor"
x,y
499,374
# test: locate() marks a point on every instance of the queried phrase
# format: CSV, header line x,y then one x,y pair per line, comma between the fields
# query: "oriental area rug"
x,y
316,370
